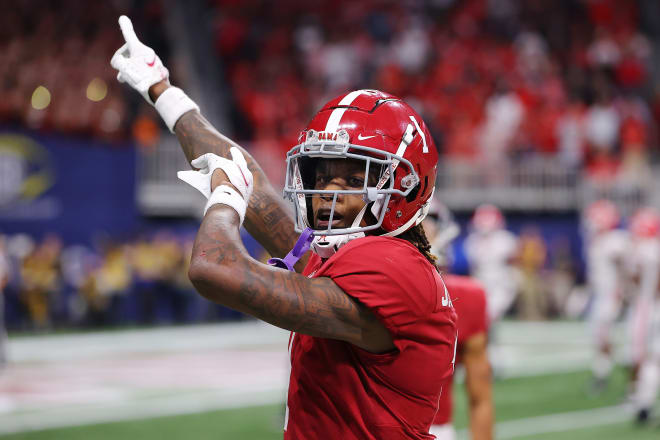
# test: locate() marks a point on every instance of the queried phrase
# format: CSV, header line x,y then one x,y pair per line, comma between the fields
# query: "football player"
x,y
469,299
490,250
645,314
606,249
373,327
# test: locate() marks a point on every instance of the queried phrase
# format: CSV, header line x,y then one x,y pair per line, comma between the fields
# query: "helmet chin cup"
x,y
325,246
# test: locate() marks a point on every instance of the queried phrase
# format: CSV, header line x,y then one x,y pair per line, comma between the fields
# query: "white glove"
x,y
237,171
138,65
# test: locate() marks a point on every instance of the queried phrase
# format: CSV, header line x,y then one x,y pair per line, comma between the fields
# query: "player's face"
x,y
339,174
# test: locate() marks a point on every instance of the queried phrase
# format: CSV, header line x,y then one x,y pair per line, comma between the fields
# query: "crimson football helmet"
x,y
487,218
394,144
645,223
601,216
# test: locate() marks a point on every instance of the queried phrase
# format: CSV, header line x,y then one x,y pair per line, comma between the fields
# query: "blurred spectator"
x,y
4,280
562,277
491,77
19,247
504,114
141,281
77,263
570,135
532,301
41,281
105,285
498,80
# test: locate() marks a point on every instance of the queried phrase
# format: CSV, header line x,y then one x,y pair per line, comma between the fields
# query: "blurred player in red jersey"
x,y
644,266
469,299
606,248
374,328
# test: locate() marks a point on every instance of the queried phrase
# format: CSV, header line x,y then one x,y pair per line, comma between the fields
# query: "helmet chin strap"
x,y
325,246
416,219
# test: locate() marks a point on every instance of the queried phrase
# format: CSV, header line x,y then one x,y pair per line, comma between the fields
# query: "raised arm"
x,y
268,219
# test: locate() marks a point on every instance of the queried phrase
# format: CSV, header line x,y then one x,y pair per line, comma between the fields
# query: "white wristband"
x,y
172,104
226,195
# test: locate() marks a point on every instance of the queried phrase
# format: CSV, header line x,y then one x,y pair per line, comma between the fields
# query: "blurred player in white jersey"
x,y
606,248
490,250
645,314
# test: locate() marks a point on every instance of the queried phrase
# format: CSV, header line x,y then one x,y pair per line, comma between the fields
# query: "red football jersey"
x,y
469,299
339,391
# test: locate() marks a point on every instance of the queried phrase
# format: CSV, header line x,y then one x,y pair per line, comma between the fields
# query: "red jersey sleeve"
x,y
393,279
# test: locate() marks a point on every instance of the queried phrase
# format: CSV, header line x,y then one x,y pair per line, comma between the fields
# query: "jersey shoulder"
x,y
384,254
386,271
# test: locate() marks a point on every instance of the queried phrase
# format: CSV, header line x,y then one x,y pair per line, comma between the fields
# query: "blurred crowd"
x,y
496,80
54,65
138,281
533,274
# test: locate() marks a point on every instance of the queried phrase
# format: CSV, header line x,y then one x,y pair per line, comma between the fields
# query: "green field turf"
x,y
515,399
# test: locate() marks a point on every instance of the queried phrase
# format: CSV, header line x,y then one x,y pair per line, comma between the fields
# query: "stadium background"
x,y
539,107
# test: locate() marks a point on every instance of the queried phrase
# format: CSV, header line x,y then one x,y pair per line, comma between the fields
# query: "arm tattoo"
x,y
316,306
268,218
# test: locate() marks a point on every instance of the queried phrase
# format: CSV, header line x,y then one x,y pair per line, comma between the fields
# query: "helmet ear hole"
x,y
411,196
426,185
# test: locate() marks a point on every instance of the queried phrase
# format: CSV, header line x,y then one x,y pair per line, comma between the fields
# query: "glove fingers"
x,y
201,162
129,34
246,175
238,157
198,181
120,78
118,60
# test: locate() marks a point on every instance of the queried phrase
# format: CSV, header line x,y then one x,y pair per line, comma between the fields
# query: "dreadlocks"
x,y
417,237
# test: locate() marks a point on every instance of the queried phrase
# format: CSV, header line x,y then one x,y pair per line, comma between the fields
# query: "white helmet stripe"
x,y
405,141
425,148
335,116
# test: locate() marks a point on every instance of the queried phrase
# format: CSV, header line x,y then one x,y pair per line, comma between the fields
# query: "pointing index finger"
x,y
128,32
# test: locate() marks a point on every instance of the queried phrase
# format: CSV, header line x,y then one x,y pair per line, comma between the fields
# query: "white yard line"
x,y
155,340
67,416
561,422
